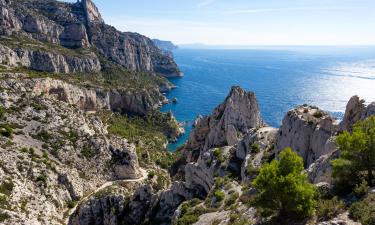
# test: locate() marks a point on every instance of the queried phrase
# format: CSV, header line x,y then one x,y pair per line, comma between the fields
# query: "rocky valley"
x,y
82,140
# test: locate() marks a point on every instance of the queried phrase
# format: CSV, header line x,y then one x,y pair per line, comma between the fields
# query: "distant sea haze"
x,y
281,78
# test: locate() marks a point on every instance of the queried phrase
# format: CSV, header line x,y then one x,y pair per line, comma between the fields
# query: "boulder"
x,y
124,159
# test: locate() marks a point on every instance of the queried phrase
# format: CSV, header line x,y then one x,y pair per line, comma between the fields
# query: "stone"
x,y
90,99
124,159
225,126
307,131
356,110
38,24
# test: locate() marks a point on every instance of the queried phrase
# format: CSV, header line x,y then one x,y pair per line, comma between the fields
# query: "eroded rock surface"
x,y
225,126
356,110
59,37
307,130
53,155
136,101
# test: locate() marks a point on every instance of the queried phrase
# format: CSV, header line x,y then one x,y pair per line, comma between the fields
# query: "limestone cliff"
x,y
307,130
226,125
36,31
52,154
136,101
356,110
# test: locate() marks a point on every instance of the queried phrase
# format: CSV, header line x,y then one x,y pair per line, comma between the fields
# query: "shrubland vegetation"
x,y
283,189
146,132
356,163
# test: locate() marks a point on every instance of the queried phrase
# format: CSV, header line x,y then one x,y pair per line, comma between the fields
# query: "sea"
x,y
281,78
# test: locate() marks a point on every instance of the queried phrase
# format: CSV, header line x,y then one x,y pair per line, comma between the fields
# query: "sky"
x,y
246,22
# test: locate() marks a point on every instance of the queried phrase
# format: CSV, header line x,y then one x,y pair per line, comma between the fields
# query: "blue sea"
x,y
281,77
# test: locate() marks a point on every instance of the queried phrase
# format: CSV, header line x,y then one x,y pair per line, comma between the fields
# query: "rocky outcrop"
x,y
253,148
139,102
168,201
124,159
131,204
56,154
49,61
91,12
356,110
235,122
226,125
166,46
76,26
321,169
307,131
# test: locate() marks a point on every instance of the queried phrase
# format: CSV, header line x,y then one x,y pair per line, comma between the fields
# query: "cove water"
x,y
282,78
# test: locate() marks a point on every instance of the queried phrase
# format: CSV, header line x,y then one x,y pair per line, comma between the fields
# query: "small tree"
x,y
283,188
357,159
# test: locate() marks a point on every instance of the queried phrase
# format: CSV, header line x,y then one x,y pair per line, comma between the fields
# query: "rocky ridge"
x,y
32,30
135,101
223,154
50,152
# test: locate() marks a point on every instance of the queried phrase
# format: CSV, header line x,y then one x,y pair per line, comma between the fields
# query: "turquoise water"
x,y
281,79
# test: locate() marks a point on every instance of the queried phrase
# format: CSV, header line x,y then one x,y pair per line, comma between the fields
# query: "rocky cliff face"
x,y
73,26
307,130
356,110
49,61
226,125
166,46
224,140
54,145
134,101
52,154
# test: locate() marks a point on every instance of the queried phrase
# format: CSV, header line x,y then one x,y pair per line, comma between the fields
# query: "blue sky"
x,y
246,22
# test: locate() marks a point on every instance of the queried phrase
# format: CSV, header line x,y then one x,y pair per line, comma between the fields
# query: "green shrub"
x,y
329,208
361,189
71,204
218,153
88,152
283,188
151,174
6,188
219,195
318,114
2,112
6,130
232,199
4,204
357,156
187,220
190,212
42,179
255,148
4,216
364,211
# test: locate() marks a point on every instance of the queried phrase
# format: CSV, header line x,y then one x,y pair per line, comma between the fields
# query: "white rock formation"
x,y
356,110
307,130
225,126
